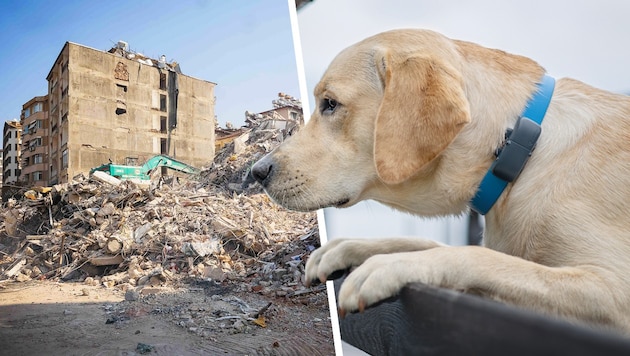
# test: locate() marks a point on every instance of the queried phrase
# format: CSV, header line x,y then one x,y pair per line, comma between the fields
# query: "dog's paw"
x,y
326,262
381,277
339,256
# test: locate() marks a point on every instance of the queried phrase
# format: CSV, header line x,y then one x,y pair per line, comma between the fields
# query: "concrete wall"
x,y
114,113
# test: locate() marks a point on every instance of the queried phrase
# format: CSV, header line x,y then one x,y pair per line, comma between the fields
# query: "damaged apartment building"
x,y
117,106
12,139
35,140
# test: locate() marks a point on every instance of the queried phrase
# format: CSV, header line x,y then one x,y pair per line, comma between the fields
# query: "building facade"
x,y
124,107
2,164
11,153
286,114
35,141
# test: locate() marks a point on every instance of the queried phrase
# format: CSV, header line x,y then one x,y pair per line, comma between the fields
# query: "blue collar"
x,y
519,145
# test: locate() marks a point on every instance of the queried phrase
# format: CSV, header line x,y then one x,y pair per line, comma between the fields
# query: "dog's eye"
x,y
329,106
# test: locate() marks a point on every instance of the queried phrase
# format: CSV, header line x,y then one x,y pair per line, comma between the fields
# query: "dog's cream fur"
x,y
414,124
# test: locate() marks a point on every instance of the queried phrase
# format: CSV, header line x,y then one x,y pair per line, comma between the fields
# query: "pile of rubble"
x,y
124,235
230,169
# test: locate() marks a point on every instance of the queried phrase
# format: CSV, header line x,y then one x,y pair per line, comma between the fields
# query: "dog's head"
x,y
386,109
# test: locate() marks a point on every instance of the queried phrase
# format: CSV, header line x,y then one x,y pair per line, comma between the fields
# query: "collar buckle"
x,y
517,150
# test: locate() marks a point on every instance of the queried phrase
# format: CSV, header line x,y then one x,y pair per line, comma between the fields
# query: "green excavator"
x,y
144,172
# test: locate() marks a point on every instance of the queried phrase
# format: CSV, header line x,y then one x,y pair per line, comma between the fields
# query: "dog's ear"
x,y
423,108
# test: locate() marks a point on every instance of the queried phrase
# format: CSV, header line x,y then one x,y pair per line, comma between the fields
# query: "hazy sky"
x,y
583,39
245,46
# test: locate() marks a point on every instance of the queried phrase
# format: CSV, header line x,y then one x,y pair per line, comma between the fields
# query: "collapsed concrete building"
x,y
123,107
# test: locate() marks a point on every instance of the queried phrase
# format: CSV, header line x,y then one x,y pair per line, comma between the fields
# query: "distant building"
x,y
35,142
124,107
1,164
11,153
286,115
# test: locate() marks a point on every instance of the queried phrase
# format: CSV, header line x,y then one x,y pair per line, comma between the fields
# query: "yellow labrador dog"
x,y
416,120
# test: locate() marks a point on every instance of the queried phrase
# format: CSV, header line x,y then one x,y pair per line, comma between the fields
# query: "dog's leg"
x,y
343,254
581,292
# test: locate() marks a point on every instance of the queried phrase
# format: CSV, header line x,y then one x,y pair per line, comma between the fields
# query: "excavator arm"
x,y
144,172
169,162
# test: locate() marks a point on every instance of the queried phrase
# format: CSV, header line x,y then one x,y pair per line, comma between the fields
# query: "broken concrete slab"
x,y
106,178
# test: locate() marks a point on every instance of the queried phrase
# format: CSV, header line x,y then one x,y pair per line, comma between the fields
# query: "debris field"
x,y
214,237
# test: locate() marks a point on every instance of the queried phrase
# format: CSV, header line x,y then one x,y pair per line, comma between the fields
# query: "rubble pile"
x,y
232,164
123,235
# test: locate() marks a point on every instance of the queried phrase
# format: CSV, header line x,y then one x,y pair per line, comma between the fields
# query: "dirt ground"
x,y
198,318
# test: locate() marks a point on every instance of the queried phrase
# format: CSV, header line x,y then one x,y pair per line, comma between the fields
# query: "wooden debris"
x,y
36,237
262,310
106,260
113,246
16,268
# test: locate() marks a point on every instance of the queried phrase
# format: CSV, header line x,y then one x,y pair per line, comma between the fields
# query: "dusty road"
x,y
49,318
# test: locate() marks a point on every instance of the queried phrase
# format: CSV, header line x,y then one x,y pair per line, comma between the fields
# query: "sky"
x,y
582,39
245,46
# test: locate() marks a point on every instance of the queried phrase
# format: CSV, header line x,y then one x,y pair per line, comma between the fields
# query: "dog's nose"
x,y
262,169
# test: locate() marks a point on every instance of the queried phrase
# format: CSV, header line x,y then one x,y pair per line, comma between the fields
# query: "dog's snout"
x,y
262,169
